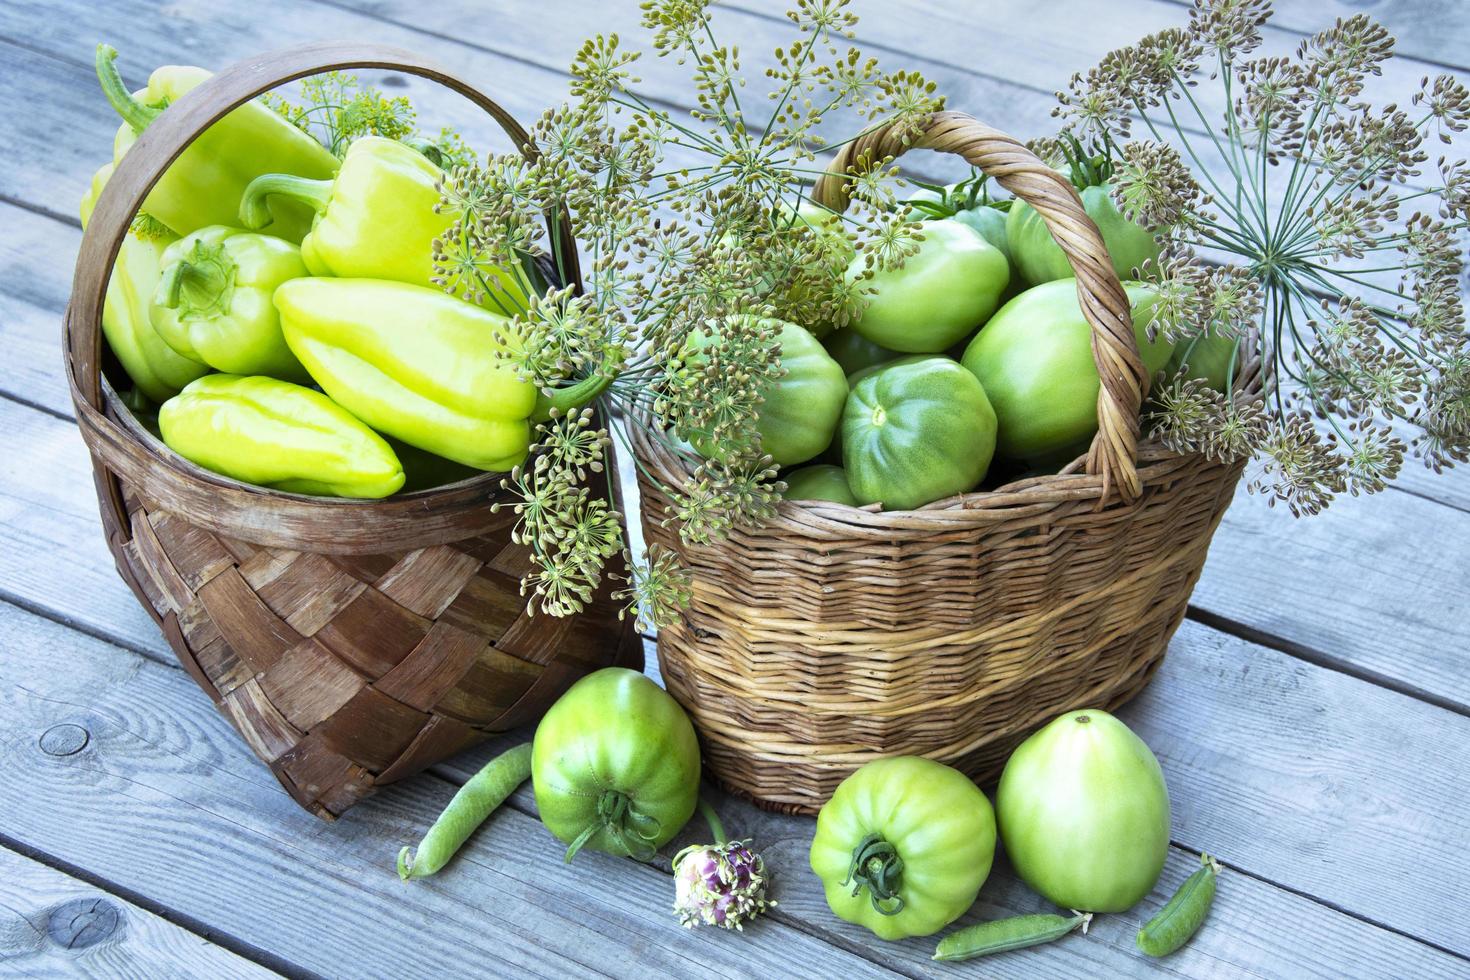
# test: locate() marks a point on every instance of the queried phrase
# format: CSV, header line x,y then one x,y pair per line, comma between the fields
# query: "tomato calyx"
x,y
617,815
877,866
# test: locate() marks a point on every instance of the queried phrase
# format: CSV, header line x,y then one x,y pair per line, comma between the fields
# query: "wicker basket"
x,y
834,635
351,642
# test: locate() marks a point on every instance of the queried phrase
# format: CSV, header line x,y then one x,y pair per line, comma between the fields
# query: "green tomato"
x,y
615,765
903,846
800,412
1034,359
1084,813
819,482
915,433
990,222
947,288
872,369
822,229
1209,358
1038,258
854,352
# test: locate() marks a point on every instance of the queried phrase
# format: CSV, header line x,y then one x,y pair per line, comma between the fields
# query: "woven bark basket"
x,y
352,643
834,635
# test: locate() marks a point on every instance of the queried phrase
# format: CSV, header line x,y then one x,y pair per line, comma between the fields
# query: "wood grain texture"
x,y
53,925
165,801
1287,772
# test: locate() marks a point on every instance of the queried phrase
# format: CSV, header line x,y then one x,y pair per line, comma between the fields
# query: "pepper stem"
x,y
563,400
877,866
199,283
134,113
255,211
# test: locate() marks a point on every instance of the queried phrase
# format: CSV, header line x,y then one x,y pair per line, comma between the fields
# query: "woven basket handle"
x,y
169,135
1114,452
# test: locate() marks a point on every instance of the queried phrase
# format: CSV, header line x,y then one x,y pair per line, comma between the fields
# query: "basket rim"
x,y
1046,491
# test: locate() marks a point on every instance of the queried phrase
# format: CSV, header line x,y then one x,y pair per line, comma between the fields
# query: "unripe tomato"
x,y
1038,258
1034,359
943,291
1084,813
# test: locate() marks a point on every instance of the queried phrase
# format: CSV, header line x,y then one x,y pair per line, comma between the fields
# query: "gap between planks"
x,y
266,960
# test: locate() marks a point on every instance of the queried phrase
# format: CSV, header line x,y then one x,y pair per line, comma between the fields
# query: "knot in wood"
x,y
83,922
62,740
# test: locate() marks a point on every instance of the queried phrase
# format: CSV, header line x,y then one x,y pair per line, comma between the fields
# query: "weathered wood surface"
x,y
54,925
1329,777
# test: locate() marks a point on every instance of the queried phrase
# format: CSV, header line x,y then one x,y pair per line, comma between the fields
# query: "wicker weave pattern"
x,y
344,672
833,635
351,642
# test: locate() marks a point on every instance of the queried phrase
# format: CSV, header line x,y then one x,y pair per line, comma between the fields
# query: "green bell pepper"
x,y
421,366
213,301
204,185
915,433
276,434
156,370
376,220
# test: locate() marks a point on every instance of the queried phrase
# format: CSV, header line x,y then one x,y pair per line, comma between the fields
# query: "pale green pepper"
x,y
213,301
279,435
156,370
421,366
204,185
376,220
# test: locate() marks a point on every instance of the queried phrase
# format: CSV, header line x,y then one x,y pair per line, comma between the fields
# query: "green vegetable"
x,y
156,370
212,303
903,846
1084,813
615,766
423,470
476,800
853,352
1183,914
276,434
1038,258
915,433
376,220
819,482
444,386
821,229
950,286
1003,935
1034,359
990,222
1213,358
800,412
204,185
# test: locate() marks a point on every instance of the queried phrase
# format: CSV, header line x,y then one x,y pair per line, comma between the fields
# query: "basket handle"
x,y
172,132
1114,452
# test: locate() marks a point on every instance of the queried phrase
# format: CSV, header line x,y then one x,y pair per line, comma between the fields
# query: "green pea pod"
x,y
1183,914
1003,935
474,802
276,434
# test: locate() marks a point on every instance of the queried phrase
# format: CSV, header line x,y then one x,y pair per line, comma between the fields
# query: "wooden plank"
x,y
1435,31
227,848
1330,835
54,925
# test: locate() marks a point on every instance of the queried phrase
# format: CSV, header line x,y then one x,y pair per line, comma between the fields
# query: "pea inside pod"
x,y
1183,914
1003,935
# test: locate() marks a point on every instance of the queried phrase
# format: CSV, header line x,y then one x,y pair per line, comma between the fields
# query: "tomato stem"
x,y
877,866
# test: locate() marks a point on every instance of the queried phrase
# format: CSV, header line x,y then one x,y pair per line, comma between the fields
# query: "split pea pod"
x,y
1002,935
475,801
1183,914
